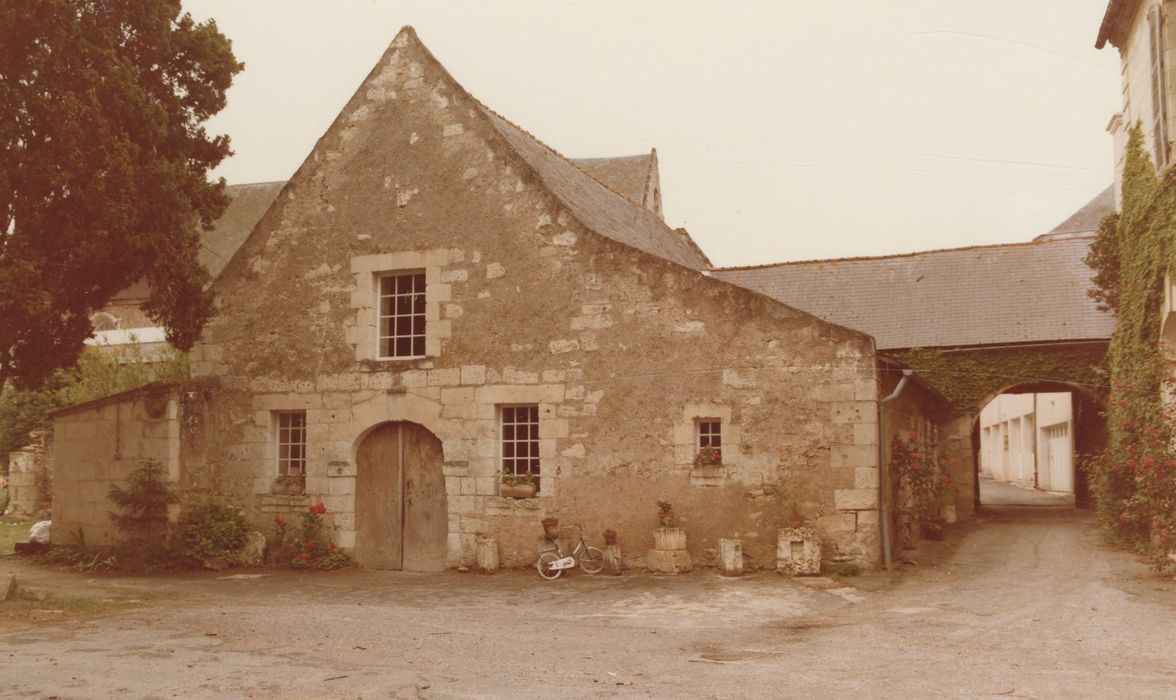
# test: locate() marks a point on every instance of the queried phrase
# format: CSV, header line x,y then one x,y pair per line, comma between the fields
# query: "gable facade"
x,y
436,299
621,353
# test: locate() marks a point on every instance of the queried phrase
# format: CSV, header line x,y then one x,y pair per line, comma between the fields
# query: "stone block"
x,y
853,456
8,586
855,499
487,555
613,561
473,374
865,478
798,552
731,557
672,562
669,539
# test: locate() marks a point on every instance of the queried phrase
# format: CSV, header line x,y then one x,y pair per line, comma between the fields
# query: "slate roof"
x,y
625,175
247,204
1087,219
985,295
594,205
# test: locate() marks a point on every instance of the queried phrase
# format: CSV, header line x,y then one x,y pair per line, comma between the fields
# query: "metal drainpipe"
x,y
884,474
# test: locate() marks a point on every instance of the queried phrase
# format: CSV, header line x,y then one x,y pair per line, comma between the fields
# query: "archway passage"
x,y
1029,443
401,515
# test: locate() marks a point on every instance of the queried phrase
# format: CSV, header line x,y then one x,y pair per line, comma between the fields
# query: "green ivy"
x,y
966,378
1134,481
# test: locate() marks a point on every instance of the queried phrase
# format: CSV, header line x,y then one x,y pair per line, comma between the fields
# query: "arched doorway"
x,y
401,514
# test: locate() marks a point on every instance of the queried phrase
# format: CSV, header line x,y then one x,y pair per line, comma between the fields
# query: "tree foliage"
x,y
99,372
103,170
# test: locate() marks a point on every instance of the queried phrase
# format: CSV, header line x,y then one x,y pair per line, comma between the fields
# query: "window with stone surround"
x,y
519,440
401,321
709,433
1155,21
291,442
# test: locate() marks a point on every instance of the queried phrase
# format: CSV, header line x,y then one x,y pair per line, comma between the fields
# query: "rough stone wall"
x,y
100,443
30,476
621,351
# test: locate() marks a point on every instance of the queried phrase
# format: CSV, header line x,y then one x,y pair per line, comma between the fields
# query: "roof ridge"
x,y
571,161
893,256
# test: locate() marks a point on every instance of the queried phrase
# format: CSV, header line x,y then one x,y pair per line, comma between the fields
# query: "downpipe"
x,y
884,469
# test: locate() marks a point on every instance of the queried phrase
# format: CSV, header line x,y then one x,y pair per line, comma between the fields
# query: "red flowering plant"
x,y
314,547
923,486
709,456
1134,480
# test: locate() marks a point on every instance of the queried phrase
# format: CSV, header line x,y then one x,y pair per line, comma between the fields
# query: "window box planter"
x,y
526,490
290,485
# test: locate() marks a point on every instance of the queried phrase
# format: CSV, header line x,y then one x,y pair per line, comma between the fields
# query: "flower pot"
x,y
665,518
516,490
795,520
610,538
932,528
551,528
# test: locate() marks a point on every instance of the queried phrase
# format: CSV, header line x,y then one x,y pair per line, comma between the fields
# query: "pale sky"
x,y
785,130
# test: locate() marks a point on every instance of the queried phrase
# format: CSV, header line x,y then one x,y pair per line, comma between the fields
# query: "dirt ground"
x,y
1023,603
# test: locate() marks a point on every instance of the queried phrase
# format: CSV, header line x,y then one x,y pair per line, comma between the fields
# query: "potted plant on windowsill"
x,y
290,485
517,485
708,458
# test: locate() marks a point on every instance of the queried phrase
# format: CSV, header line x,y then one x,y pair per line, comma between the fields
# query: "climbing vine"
x,y
966,378
1134,480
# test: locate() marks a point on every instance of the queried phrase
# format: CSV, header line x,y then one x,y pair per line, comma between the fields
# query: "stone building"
x,y
436,298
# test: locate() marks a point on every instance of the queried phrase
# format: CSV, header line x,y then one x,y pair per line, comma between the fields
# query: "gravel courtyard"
x,y
1024,603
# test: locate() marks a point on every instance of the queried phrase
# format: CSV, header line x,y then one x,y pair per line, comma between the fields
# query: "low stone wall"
x,y
101,442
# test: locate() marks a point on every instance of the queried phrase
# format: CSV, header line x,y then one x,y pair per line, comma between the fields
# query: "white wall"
x,y
1027,440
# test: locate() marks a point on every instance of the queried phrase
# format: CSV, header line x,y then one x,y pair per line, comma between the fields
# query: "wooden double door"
x,y
401,517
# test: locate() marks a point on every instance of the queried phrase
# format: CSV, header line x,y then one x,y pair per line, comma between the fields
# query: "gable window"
x,y
401,320
1155,22
291,440
519,431
709,434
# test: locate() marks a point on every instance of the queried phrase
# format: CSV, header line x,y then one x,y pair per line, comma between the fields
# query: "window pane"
x,y
418,346
403,306
418,325
508,432
387,285
508,414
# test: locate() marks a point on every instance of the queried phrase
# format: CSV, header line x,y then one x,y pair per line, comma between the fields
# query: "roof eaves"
x,y
1116,22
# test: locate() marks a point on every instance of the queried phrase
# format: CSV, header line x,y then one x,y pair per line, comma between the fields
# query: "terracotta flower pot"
x,y
665,518
610,538
551,528
795,520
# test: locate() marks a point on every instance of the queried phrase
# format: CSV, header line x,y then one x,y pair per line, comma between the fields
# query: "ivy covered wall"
x,y
1135,479
968,378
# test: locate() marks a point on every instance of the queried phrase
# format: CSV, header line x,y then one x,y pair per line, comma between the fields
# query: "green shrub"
x,y
212,530
143,522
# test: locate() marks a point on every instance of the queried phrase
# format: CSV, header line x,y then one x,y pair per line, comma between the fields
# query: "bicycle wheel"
x,y
592,560
543,565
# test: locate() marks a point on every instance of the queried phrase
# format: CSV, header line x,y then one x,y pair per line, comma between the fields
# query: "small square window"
x,y
519,435
401,322
291,442
709,434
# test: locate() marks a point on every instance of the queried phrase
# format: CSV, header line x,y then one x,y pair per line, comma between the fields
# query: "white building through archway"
x,y
1027,440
